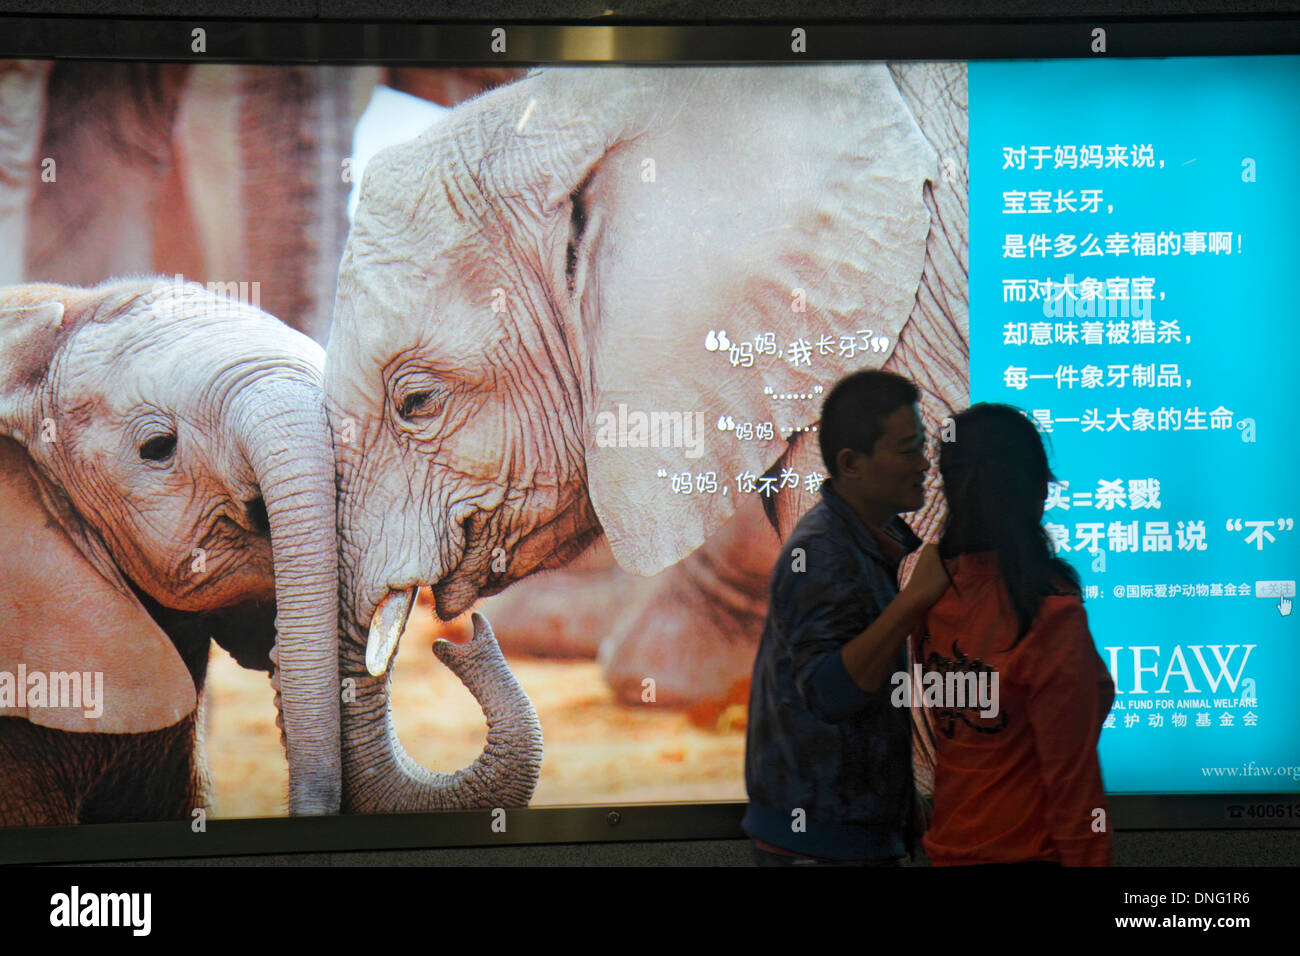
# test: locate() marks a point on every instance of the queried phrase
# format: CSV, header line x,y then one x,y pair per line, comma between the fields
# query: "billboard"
x,y
304,367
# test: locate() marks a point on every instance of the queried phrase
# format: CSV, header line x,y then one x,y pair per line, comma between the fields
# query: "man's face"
x,y
893,476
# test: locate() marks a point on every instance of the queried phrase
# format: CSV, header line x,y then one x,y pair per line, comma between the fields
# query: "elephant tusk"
x,y
386,627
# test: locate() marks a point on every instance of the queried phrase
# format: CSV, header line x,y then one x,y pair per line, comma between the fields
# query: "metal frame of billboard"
x,y
716,43
613,823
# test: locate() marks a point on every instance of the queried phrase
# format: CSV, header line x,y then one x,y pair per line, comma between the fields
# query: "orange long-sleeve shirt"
x,y
1023,785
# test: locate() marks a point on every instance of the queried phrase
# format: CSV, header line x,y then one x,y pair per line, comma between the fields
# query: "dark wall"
x,y
1131,848
686,11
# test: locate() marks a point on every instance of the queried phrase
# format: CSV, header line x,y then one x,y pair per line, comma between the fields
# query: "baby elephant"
x,y
166,478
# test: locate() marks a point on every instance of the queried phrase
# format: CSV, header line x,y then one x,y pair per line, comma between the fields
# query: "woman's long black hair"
x,y
994,470
994,475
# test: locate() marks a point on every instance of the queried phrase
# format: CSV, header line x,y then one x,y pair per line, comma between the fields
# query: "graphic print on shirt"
x,y
958,672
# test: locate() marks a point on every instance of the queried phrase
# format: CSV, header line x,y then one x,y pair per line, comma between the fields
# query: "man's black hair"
x,y
854,413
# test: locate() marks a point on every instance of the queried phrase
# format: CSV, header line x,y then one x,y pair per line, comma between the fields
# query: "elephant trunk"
x,y
286,440
379,775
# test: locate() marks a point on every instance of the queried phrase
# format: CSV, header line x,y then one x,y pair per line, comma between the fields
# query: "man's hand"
x,y
929,579
870,656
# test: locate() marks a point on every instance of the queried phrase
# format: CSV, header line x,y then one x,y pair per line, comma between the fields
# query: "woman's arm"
x,y
1070,695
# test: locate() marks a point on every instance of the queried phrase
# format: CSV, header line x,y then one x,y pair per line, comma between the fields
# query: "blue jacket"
x,y
817,742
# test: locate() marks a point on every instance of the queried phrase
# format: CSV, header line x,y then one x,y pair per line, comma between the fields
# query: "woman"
x,y
1018,782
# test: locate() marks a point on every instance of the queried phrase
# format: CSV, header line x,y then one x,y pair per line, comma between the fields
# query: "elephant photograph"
x,y
392,439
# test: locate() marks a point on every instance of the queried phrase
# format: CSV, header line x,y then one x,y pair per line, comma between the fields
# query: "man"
x,y
828,763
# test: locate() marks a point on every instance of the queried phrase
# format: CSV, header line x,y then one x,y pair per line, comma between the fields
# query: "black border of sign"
x,y
353,42
623,823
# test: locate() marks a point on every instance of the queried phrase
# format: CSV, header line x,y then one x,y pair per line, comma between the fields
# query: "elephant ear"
x,y
58,614
29,337
32,329
724,270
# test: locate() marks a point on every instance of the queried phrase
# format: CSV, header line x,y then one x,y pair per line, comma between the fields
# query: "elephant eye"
x,y
418,403
158,448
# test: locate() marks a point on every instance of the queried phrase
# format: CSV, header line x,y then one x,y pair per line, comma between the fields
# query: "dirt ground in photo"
x,y
597,751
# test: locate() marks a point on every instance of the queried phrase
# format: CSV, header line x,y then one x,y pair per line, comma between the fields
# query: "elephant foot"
x,y
565,613
696,635
728,714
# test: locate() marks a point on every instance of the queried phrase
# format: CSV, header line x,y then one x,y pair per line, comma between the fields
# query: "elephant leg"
x,y
294,132
151,776
566,613
161,774
55,777
697,632
108,131
35,788
22,115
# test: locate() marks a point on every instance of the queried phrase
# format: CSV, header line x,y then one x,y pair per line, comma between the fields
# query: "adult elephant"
x,y
565,262
712,603
168,477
